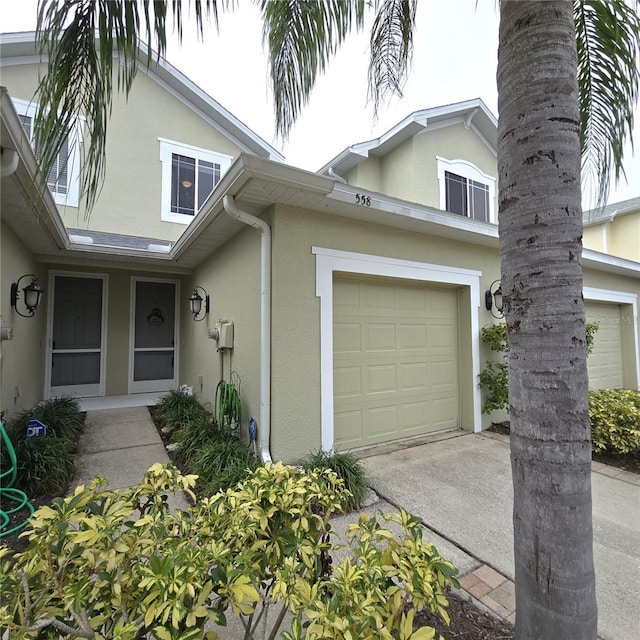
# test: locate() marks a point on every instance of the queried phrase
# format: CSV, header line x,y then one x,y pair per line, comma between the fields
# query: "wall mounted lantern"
x,y
493,299
196,306
31,295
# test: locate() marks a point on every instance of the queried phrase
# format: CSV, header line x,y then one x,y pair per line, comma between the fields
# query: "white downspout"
x,y
264,426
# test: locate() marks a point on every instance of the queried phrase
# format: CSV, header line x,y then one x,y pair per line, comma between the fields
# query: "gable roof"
x,y
21,48
471,113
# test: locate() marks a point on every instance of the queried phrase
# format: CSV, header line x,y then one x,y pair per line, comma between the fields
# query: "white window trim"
x,y
167,149
329,261
470,172
594,294
72,197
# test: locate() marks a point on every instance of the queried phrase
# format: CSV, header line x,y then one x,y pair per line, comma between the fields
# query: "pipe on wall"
x,y
264,426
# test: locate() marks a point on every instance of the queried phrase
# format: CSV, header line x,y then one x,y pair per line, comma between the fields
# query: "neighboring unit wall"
x,y
22,357
410,171
130,201
624,236
604,293
617,237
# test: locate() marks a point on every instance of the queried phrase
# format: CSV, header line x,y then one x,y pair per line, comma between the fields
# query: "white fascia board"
x,y
409,126
48,211
403,209
605,262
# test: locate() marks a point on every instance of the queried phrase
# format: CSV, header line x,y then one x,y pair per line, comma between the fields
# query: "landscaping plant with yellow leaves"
x,y
122,565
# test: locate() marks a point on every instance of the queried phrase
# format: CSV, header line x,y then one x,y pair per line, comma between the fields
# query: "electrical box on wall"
x,y
225,335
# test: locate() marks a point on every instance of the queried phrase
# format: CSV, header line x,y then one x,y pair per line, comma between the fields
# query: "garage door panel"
x,y
408,299
414,376
443,376
407,361
346,338
442,336
348,424
605,361
412,337
378,297
442,410
414,415
347,296
381,379
347,382
379,337
382,422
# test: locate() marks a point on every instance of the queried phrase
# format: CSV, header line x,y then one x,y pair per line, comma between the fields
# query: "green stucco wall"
x,y
22,357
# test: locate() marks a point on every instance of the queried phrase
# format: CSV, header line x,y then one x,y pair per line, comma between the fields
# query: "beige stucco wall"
x,y
410,171
22,357
129,202
232,278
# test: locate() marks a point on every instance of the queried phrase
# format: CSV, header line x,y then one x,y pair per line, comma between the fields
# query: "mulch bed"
x,y
467,622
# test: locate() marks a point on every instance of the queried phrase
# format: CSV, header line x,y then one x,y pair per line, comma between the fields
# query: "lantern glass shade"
x,y
32,293
497,298
195,303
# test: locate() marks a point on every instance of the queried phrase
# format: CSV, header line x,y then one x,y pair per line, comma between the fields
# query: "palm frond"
x,y
391,46
301,36
88,44
608,40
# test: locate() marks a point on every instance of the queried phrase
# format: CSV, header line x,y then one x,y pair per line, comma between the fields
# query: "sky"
x,y
450,64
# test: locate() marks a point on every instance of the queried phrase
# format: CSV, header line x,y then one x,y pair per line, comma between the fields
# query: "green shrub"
x,y
47,464
177,408
192,436
43,465
125,566
615,421
347,467
494,378
221,464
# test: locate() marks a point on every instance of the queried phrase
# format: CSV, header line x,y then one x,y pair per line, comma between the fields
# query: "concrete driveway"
x,y
461,488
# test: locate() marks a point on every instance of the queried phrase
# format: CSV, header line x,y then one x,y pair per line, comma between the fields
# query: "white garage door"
x,y
605,362
395,360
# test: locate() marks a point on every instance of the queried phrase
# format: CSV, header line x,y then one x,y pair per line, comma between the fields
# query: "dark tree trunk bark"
x,y
540,220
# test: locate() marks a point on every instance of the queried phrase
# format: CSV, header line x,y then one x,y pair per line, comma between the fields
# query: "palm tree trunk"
x,y
540,244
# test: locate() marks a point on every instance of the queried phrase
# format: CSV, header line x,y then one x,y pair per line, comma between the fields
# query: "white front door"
x,y
76,343
153,336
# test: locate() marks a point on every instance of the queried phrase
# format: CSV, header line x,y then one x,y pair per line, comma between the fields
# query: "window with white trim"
x,y
466,190
64,177
189,175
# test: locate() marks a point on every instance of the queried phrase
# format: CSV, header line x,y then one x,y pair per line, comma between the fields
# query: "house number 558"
x,y
365,201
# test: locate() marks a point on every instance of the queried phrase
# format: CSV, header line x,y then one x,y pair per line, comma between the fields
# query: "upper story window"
x,y
466,190
63,178
189,175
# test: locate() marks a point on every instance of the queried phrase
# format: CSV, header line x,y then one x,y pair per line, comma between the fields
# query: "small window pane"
x,y
183,184
479,194
456,191
206,180
26,124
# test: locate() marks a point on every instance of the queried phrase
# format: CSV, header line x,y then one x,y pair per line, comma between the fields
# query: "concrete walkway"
x,y
461,489
120,445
